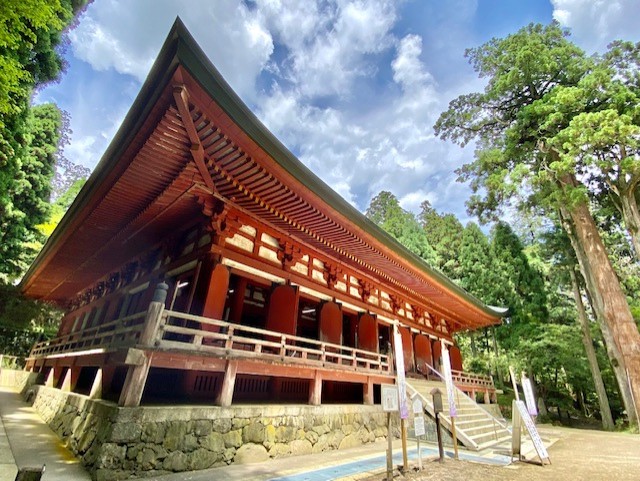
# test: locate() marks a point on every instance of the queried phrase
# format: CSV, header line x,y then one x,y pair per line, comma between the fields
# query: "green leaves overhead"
x,y
385,211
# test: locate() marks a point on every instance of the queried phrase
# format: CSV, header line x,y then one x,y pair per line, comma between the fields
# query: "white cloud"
x,y
328,42
337,81
359,152
126,36
595,23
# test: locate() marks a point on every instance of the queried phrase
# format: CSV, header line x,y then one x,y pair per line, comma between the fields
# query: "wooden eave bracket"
x,y
181,97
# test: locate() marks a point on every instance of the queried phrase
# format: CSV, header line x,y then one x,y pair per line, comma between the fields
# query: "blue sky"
x,y
353,88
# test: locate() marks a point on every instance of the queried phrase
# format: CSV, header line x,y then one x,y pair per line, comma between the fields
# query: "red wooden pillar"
x,y
330,322
407,348
282,315
437,355
422,348
456,358
237,302
216,296
367,333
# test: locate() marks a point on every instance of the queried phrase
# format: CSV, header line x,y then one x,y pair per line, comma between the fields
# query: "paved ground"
x,y
577,455
27,441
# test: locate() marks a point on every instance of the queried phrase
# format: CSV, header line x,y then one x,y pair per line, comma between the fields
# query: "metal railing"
x,y
466,396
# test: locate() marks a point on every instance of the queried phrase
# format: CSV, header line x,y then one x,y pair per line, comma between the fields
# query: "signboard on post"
x,y
389,398
418,426
521,416
400,379
418,418
528,396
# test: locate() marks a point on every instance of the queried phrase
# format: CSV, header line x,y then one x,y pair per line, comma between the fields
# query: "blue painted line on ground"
x,y
377,462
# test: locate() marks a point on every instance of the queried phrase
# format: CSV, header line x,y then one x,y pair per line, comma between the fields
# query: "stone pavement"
x,y
25,440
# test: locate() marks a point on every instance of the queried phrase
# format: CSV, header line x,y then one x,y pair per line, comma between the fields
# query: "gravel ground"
x,y
579,454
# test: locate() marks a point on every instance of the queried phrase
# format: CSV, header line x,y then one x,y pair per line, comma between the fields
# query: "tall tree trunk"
x,y
615,358
603,400
608,293
631,218
496,352
474,348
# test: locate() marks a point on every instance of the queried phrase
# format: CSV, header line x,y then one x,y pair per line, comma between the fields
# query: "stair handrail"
x,y
444,416
460,391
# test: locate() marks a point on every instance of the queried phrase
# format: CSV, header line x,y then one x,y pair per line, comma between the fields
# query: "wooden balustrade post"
x,y
153,319
136,379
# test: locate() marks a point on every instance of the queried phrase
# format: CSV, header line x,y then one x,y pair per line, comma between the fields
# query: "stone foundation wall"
x,y
117,443
16,379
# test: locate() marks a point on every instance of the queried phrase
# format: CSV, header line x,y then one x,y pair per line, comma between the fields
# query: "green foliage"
x,y
29,190
384,210
444,234
30,31
24,321
60,207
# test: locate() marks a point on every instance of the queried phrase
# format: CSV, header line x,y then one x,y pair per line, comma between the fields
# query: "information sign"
x,y
521,414
418,426
417,406
389,398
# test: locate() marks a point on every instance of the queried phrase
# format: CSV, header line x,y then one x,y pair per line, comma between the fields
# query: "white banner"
x,y
400,379
528,396
448,379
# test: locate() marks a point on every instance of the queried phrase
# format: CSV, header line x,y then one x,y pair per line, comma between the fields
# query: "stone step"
x,y
478,430
504,440
482,439
474,423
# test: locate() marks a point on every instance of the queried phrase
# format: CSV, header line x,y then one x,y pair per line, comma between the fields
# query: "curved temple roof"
x,y
143,188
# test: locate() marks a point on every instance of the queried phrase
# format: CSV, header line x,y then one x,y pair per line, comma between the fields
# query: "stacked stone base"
x,y
118,443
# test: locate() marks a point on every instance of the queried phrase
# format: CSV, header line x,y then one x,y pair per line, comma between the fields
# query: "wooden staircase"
x,y
476,429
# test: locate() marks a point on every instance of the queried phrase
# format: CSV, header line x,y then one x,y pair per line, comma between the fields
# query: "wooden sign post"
x,y
402,393
418,425
389,405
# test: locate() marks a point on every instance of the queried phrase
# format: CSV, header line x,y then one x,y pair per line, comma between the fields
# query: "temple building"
x,y
203,263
